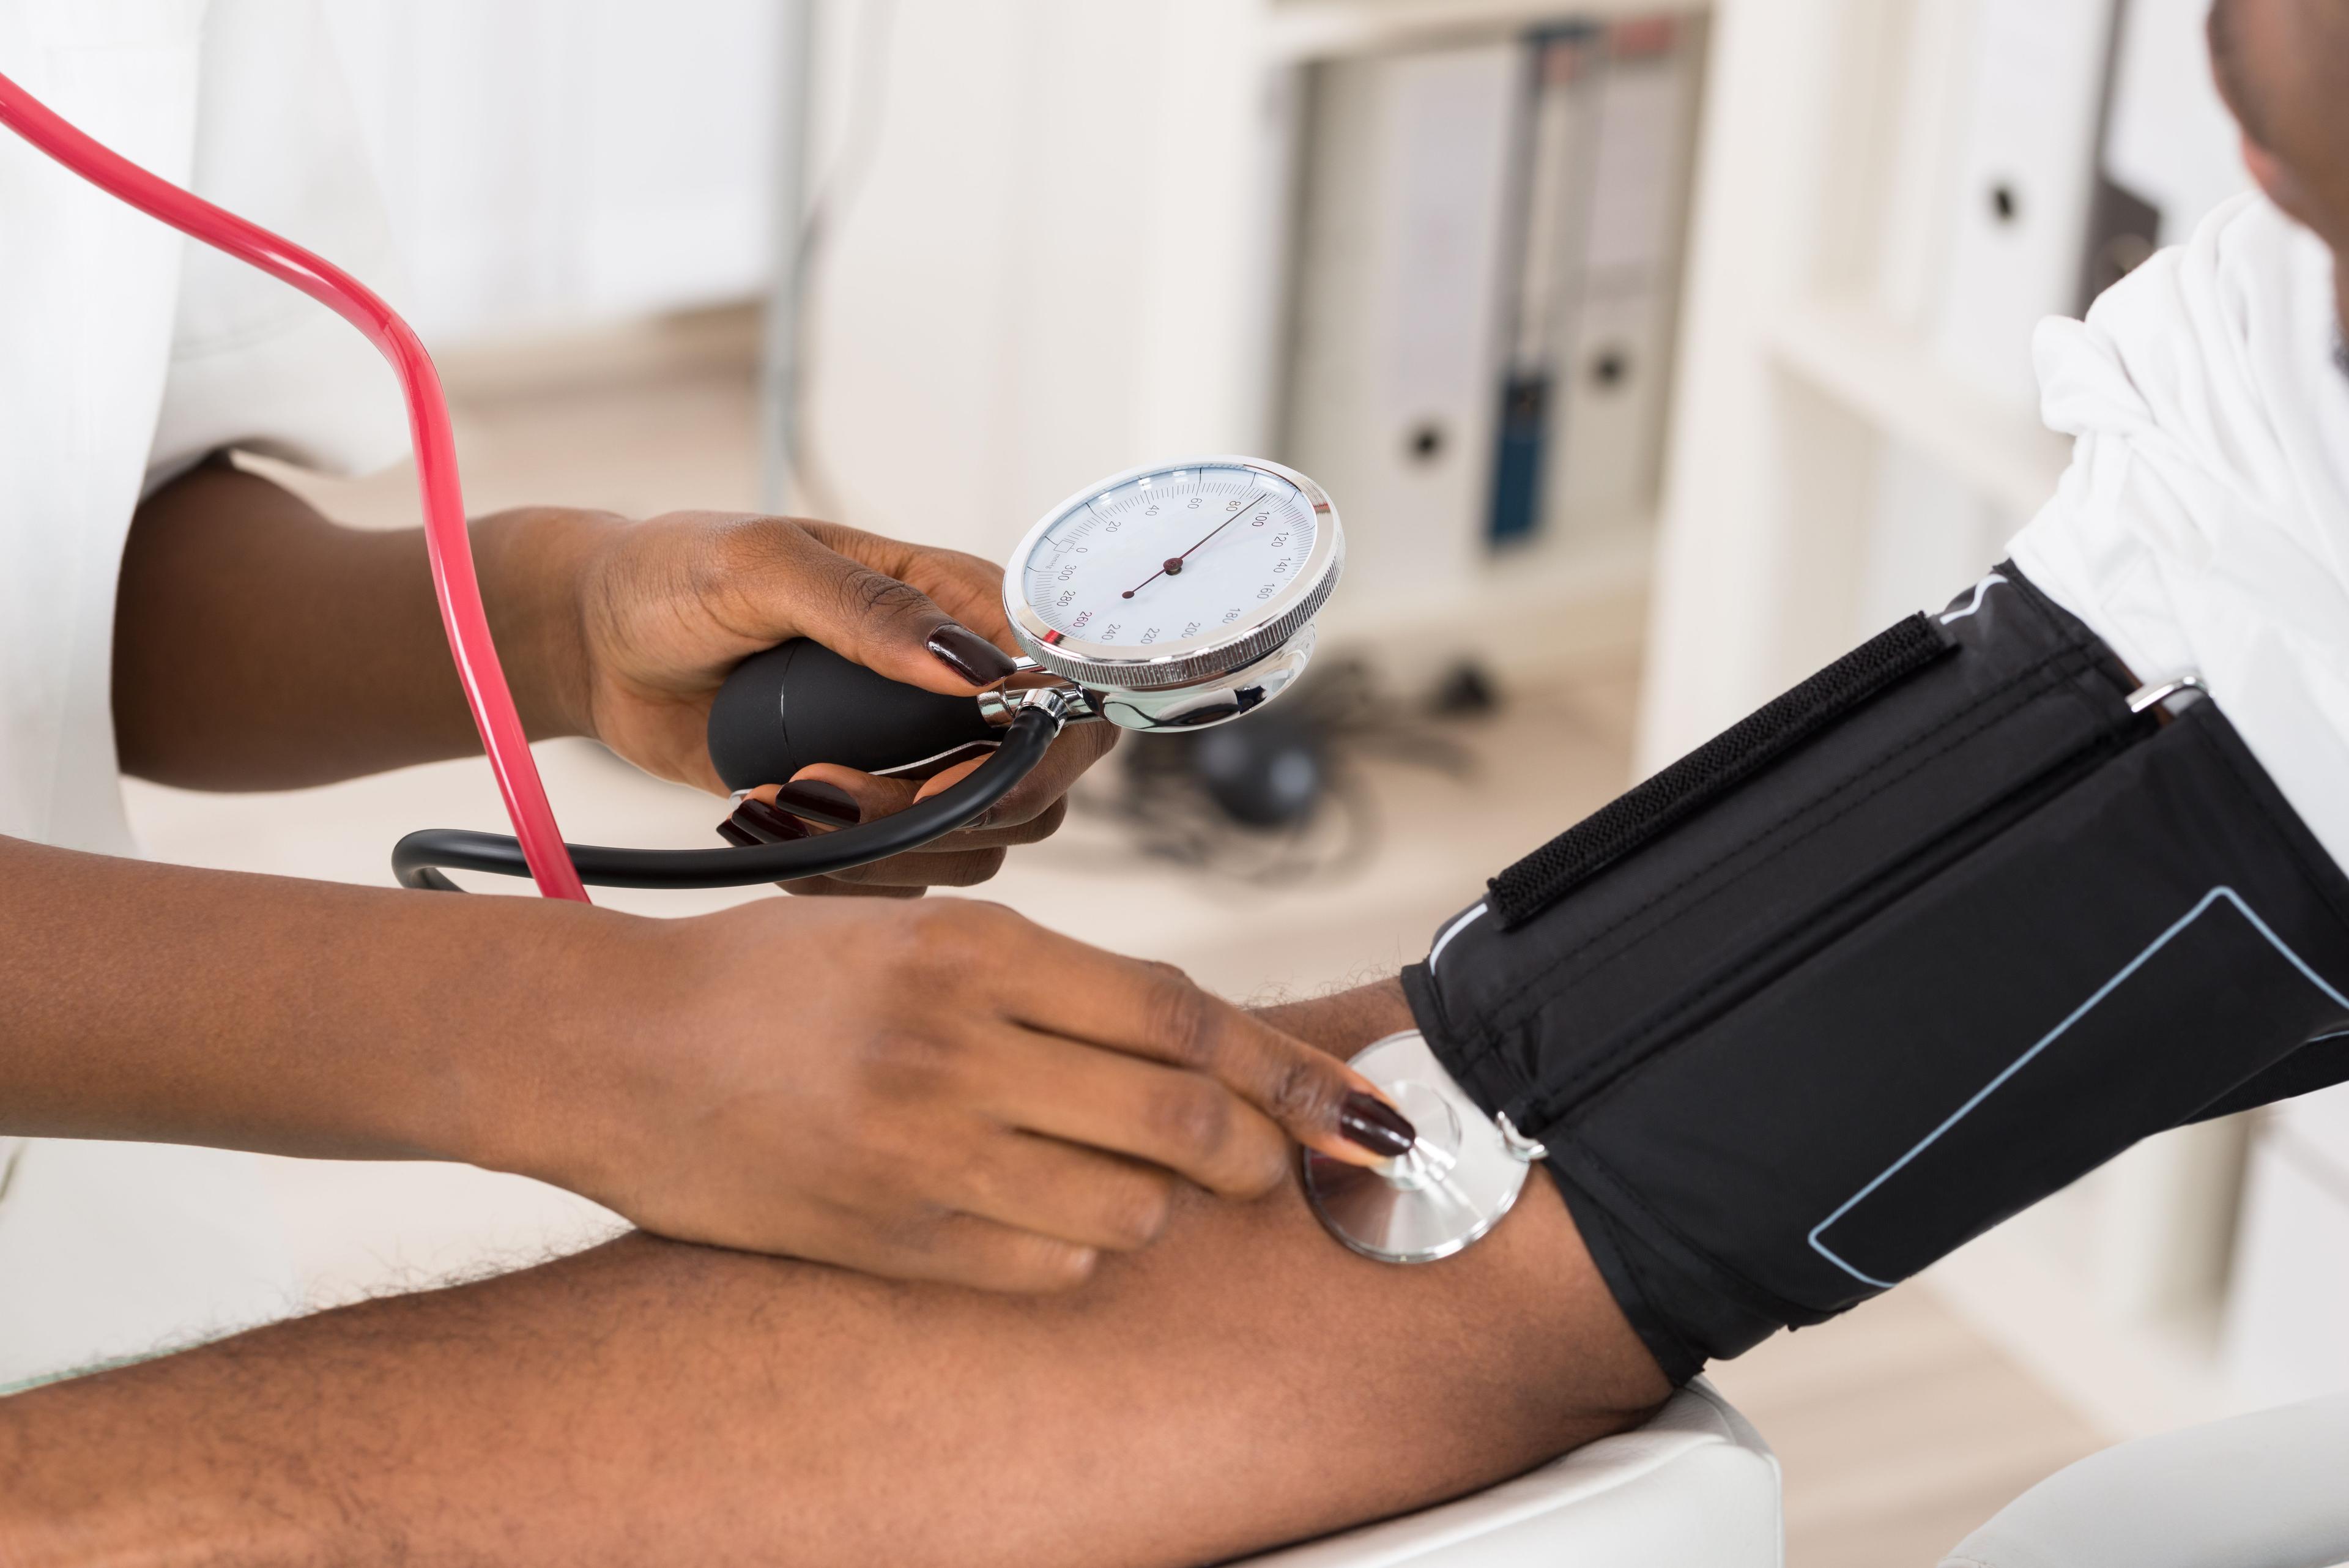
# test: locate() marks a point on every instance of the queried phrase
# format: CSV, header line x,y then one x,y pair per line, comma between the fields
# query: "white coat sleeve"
x,y
255,364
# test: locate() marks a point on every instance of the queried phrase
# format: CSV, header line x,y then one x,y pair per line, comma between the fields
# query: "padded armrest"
x,y
2270,1490
1695,1485
113,1252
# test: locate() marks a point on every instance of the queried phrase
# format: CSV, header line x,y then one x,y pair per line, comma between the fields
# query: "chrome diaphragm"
x,y
1444,1191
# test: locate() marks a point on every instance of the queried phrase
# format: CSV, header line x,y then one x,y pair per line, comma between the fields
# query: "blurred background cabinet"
x,y
1083,236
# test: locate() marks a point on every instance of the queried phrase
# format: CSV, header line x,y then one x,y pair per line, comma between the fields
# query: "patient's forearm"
x,y
1244,1382
1344,1023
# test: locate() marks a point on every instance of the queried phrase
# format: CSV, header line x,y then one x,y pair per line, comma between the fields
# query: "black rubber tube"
x,y
419,858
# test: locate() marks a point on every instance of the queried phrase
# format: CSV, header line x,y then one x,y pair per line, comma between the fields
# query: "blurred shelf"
x,y
1850,351
640,352
1536,612
1309,29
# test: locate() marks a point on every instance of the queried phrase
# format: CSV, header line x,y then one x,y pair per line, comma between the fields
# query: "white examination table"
x,y
1694,1488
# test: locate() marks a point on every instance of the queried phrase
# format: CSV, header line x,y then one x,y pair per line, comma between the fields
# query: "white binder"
x,y
1616,377
1551,206
1390,402
2024,186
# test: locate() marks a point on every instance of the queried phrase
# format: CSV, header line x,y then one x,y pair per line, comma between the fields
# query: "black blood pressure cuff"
x,y
1919,943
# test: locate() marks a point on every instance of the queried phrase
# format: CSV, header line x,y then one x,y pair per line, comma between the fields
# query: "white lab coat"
x,y
2203,525
125,353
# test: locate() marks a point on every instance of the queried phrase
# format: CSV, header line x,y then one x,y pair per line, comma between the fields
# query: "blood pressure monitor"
x,y
1177,595
1170,597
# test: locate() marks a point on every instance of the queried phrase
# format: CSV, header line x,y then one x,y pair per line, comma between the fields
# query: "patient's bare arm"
x,y
1245,1382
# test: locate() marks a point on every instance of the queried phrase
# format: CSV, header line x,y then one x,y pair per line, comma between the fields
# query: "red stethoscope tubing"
x,y
447,543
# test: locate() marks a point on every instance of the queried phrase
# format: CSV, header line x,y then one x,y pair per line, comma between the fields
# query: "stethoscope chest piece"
x,y
1450,1187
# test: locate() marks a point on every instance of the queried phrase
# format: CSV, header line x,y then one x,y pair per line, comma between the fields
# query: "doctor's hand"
x,y
626,630
936,1091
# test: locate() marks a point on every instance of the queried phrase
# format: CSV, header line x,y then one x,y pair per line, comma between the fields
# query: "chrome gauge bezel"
x,y
1190,661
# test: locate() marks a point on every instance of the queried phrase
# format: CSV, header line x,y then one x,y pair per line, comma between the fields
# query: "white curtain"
x,y
561,162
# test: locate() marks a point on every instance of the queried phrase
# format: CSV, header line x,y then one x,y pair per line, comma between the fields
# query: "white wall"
x,y
1050,272
2287,1332
553,163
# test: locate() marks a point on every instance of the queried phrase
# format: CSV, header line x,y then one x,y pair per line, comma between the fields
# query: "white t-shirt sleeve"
x,y
254,363
2203,525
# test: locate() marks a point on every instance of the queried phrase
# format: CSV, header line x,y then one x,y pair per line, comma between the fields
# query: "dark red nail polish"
x,y
970,655
818,802
1376,1125
738,837
767,825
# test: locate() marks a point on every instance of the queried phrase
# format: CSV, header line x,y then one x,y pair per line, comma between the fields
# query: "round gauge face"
x,y
1174,556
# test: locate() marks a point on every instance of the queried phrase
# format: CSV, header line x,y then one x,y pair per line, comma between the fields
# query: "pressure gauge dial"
x,y
1179,594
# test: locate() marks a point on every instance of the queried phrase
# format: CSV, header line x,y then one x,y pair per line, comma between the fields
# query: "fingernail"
x,y
740,838
827,804
970,655
765,825
1377,1126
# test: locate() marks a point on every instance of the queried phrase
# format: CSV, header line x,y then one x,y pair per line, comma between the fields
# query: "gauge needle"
x,y
1173,567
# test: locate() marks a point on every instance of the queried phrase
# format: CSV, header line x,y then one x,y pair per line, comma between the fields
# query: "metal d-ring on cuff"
x,y
1520,1147
2158,692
